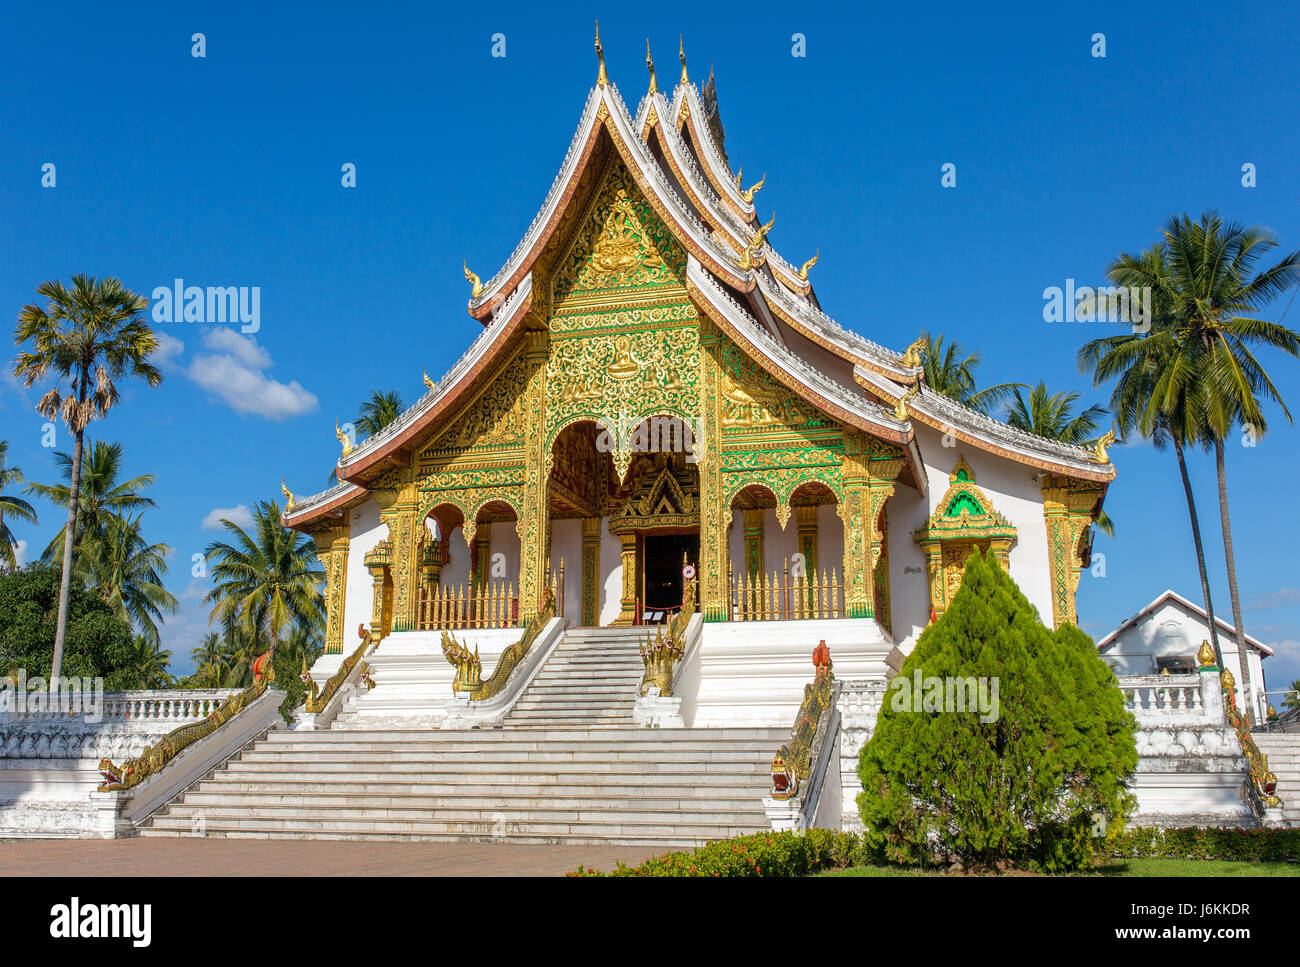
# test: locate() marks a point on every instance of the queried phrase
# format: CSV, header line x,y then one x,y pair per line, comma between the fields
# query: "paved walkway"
x,y
245,857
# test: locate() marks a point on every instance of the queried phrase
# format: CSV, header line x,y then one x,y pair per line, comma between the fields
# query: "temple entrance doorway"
x,y
663,557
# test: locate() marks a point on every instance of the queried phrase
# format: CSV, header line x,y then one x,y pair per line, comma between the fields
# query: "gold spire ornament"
x,y
1099,449
740,174
289,500
474,281
343,439
428,383
912,355
681,53
900,408
803,269
601,78
751,192
755,245
1205,655
650,65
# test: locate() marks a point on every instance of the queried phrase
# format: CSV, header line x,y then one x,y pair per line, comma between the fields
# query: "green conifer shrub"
x,y
1040,784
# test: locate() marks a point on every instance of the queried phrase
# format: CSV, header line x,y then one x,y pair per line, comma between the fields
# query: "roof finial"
x,y
749,193
681,53
428,383
473,280
803,269
650,64
289,501
601,78
343,438
740,174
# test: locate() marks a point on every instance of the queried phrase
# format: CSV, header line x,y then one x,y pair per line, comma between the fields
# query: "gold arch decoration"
x,y
964,521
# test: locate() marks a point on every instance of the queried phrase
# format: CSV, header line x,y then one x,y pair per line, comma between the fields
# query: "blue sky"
x,y
225,170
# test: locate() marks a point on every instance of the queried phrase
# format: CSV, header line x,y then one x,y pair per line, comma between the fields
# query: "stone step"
x,y
594,786
434,749
214,801
621,734
680,837
378,772
607,827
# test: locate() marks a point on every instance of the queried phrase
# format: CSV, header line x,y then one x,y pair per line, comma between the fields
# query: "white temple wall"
x,y
1015,492
611,575
830,539
503,552
455,573
365,531
566,545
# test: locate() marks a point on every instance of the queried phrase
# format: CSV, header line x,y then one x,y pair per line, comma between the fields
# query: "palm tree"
x,y
1292,700
150,663
1215,293
15,507
208,651
267,581
127,573
1138,362
950,370
100,494
88,337
377,412
1052,415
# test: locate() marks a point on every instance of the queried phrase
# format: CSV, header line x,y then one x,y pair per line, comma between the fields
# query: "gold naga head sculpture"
x,y
900,408
289,500
803,269
474,281
344,440
749,193
428,383
601,78
650,66
912,355
1100,449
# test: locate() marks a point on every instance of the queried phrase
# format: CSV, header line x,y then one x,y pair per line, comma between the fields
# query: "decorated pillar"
x,y
378,562
870,470
332,551
482,551
627,615
534,519
715,515
880,572
590,615
1068,509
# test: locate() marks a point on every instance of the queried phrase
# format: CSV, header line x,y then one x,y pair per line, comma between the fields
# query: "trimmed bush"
x,y
1038,784
762,854
1207,843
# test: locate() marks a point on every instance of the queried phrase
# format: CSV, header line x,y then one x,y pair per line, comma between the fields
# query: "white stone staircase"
x,y
590,679
1283,751
565,765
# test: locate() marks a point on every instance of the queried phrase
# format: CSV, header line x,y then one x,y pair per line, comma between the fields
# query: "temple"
x,y
572,593
655,385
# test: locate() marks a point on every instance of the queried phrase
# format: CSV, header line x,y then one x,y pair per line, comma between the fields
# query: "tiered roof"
x,y
756,296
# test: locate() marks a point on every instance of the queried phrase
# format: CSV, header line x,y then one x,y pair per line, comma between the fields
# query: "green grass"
x,y
1118,867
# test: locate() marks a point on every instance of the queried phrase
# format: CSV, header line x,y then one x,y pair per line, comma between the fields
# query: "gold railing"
x,y
491,605
155,757
469,668
659,654
318,698
1263,783
781,596
793,761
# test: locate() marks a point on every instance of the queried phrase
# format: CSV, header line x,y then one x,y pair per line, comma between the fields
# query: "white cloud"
x,y
233,370
1278,598
20,552
169,349
239,514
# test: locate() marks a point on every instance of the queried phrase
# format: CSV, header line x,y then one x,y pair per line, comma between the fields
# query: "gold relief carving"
x,y
495,418
332,551
622,244
752,399
534,521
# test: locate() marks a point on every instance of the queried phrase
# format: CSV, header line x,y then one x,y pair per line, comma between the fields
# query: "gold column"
x,y
870,470
332,552
534,521
1068,507
378,563
627,615
715,515
590,615
482,554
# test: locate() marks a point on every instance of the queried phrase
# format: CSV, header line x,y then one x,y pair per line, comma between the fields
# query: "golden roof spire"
x,y
343,438
740,174
428,383
289,501
803,270
681,53
650,64
749,194
601,78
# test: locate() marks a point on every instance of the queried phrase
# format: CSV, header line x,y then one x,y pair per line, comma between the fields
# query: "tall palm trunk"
x,y
1200,549
65,580
1243,655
